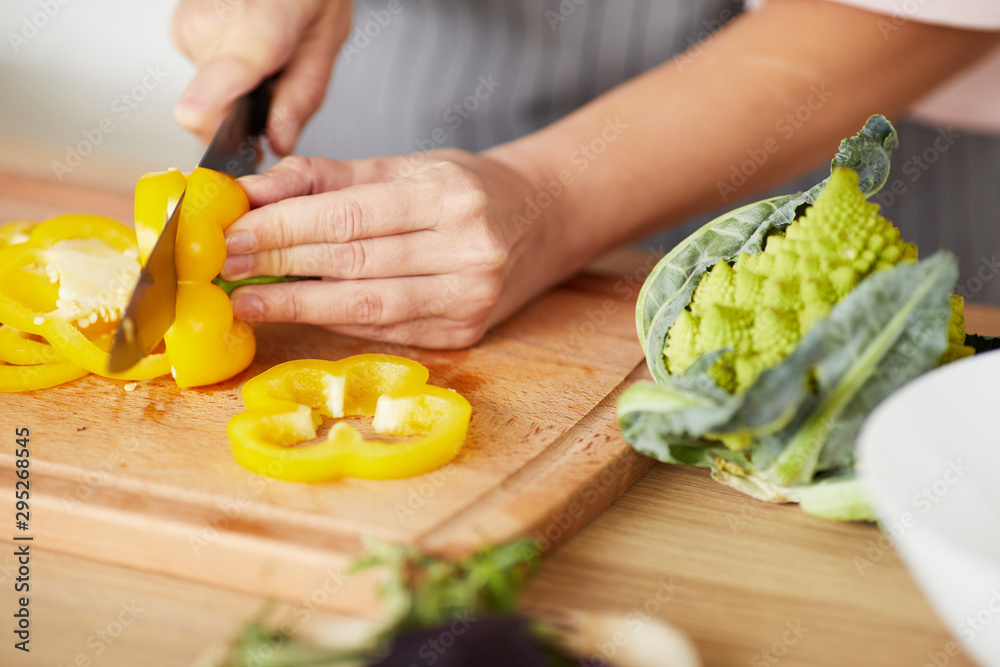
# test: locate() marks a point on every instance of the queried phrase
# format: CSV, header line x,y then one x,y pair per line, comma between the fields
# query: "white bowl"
x,y
930,457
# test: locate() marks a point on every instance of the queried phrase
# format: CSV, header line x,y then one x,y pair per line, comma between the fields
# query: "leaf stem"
x,y
229,285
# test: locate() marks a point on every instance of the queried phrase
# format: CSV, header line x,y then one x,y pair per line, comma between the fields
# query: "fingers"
x,y
435,333
401,252
237,45
298,176
341,216
300,91
366,303
207,99
409,254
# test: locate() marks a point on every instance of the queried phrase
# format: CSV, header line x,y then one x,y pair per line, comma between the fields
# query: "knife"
x,y
152,307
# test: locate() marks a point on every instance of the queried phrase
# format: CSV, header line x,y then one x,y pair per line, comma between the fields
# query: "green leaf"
x,y
868,153
841,499
890,329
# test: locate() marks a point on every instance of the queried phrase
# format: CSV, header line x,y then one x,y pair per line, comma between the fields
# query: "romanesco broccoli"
x,y
764,304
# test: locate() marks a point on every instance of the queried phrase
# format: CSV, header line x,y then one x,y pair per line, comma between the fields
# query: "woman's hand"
x,y
429,255
235,45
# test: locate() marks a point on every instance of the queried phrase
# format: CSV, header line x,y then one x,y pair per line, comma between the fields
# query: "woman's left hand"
x,y
428,250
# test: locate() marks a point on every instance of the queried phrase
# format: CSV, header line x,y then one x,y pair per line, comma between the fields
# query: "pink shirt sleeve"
x,y
971,99
974,14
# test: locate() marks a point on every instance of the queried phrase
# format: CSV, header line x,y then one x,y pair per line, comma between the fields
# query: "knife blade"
x,y
152,307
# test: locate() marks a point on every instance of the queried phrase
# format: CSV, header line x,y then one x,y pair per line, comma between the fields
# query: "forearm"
x,y
768,96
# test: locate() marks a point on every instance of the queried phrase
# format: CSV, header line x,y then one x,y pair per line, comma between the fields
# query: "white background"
x,y
66,78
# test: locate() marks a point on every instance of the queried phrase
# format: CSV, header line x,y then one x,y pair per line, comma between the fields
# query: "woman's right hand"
x,y
237,43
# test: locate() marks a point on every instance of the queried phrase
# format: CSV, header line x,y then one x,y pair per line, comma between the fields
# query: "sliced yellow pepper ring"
x,y
17,347
29,364
15,232
286,403
73,273
38,376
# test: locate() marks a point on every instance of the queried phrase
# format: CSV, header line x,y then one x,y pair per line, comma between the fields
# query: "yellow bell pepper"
x,y
29,364
205,344
16,232
19,348
68,283
286,403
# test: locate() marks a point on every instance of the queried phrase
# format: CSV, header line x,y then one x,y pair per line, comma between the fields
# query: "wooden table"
x,y
750,583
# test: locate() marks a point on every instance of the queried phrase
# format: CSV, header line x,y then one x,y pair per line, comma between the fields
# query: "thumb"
x,y
208,97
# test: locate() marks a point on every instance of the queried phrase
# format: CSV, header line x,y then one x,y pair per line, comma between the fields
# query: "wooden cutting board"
x,y
145,478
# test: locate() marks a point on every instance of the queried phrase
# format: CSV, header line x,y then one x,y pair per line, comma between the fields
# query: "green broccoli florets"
x,y
764,304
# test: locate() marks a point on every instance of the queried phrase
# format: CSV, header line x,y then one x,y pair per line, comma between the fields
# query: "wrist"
x,y
548,207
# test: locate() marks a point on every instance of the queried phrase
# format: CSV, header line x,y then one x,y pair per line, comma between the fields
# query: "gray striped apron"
x,y
422,74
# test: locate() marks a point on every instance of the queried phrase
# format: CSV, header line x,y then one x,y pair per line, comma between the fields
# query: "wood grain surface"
x,y
150,472
751,583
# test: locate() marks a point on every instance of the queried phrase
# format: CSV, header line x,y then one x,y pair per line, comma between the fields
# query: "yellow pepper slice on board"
x,y
15,232
205,344
286,403
29,364
17,347
38,376
68,283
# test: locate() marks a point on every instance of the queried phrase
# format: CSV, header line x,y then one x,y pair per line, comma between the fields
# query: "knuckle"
x,y
291,307
350,261
294,163
464,186
363,307
281,231
282,263
345,220
488,254
485,293
309,94
465,335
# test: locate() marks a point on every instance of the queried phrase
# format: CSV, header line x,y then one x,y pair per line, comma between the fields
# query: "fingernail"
x,y
248,307
236,265
240,242
251,179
